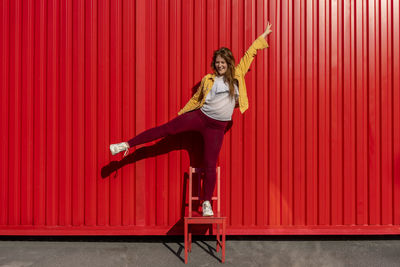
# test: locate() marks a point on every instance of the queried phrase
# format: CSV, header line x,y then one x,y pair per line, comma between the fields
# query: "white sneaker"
x,y
207,210
116,148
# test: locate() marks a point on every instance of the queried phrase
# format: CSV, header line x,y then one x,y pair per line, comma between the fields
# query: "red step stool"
x,y
197,218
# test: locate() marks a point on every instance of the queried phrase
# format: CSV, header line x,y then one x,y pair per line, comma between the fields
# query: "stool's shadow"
x,y
180,251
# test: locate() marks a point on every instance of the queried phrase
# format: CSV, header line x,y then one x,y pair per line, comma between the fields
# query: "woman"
x,y
208,111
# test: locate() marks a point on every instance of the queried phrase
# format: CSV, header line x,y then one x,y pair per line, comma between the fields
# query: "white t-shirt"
x,y
219,105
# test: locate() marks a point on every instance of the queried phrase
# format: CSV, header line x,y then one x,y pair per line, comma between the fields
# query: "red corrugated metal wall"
x,y
318,152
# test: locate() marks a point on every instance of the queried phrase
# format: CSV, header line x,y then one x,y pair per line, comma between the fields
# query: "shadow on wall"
x,y
192,142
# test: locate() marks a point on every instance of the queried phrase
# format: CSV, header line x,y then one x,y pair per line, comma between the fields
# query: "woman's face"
x,y
220,65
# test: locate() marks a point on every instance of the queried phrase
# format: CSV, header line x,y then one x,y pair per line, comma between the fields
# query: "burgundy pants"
x,y
212,131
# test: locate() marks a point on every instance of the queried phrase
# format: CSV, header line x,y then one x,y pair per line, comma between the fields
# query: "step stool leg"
x,y
190,239
186,242
218,237
223,240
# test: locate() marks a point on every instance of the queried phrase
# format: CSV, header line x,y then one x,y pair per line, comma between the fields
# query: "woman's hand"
x,y
267,30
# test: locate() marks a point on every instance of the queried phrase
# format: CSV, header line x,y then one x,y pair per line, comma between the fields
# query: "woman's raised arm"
x,y
267,30
259,43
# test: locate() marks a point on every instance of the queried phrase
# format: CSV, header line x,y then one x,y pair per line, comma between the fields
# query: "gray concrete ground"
x,y
169,251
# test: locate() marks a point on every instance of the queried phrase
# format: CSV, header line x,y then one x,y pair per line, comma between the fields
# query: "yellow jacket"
x,y
198,99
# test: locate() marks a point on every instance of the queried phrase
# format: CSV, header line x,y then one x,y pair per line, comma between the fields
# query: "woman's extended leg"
x,y
186,122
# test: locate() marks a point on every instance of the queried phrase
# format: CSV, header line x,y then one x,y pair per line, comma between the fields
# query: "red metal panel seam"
x,y
329,60
68,113
90,107
321,142
70,106
162,73
41,157
274,178
379,108
348,116
353,111
386,203
151,163
259,164
23,104
226,25
168,80
394,84
333,87
252,121
173,172
317,39
309,111
170,92
365,109
140,97
390,89
234,197
176,106
51,116
328,57
302,111
284,113
390,110
378,42
367,27
317,118
103,110
266,146
336,196
291,111
115,105
396,110
15,135
342,69
4,117
355,67
296,120
360,120
374,138
27,121
133,78
78,130
242,45
370,84
279,87
314,113
247,128
63,98
57,115
62,174
128,206
184,81
230,194
329,107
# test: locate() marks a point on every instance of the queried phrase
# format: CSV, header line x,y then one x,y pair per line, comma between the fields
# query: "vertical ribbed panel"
x,y
318,149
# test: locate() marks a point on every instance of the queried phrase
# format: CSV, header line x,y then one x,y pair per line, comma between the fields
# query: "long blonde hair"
x,y
229,75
